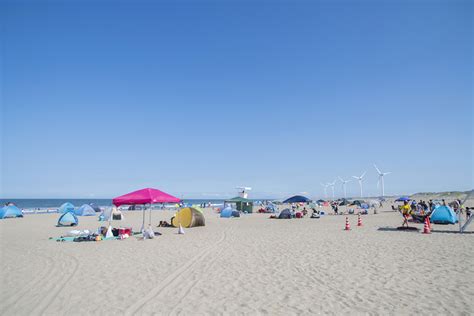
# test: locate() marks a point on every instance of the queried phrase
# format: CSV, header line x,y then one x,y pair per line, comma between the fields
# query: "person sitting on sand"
x,y
406,211
164,224
305,211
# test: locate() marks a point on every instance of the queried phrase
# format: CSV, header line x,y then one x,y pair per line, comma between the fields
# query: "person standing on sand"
x,y
406,210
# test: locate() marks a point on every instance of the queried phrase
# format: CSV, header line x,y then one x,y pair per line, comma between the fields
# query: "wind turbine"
x,y
380,181
360,181
325,190
344,182
332,184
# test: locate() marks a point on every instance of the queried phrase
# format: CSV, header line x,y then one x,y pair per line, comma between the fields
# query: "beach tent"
x,y
443,215
95,207
111,213
403,199
241,204
117,215
285,214
343,202
297,199
357,202
66,207
364,206
106,215
68,219
10,211
229,212
143,197
188,217
271,208
85,210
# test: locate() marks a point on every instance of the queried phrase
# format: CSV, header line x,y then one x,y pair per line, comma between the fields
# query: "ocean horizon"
x,y
55,203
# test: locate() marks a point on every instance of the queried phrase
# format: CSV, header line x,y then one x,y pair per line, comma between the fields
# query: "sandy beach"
x,y
248,265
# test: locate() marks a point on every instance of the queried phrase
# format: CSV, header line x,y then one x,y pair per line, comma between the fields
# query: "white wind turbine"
x,y
332,184
380,181
325,190
344,182
360,181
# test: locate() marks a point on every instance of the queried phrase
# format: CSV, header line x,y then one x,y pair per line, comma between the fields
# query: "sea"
x,y
43,204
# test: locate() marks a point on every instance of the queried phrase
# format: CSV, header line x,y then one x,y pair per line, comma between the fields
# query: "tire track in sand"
x,y
170,279
204,267
31,286
53,292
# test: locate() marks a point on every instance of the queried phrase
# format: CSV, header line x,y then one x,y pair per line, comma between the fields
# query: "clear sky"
x,y
196,98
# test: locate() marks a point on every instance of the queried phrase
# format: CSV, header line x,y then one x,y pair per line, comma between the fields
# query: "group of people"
x,y
423,209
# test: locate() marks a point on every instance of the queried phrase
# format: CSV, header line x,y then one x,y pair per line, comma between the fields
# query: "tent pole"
x,y
143,223
150,215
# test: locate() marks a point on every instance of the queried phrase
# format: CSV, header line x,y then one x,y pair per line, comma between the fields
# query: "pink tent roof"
x,y
145,196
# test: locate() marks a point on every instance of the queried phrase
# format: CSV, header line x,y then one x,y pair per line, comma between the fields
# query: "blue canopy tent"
x,y
85,210
403,199
297,199
10,211
443,215
66,207
68,219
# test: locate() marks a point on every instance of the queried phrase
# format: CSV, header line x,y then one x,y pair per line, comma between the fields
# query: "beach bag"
x,y
109,233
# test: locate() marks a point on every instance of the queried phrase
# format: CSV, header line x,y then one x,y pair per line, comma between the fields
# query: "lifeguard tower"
x,y
242,203
243,191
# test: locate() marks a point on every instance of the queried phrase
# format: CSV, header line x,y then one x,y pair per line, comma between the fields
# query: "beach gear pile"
x,y
103,233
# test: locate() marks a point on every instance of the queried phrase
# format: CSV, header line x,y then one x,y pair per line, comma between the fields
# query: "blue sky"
x,y
196,98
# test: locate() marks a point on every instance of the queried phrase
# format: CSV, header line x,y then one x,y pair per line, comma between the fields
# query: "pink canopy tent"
x,y
145,196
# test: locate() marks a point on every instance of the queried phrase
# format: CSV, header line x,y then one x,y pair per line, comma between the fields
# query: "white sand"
x,y
247,265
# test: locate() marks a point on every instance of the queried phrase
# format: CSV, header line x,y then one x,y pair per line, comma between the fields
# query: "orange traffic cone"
x,y
348,226
426,229
359,220
429,222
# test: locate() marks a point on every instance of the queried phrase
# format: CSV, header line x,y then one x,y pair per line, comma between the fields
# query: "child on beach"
x,y
406,211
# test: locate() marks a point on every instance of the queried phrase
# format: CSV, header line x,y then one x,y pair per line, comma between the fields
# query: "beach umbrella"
x,y
297,199
144,197
403,199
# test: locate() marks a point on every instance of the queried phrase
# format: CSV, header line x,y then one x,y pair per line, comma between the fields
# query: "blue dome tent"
x,y
285,214
85,210
229,212
66,207
68,219
96,208
443,215
10,211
